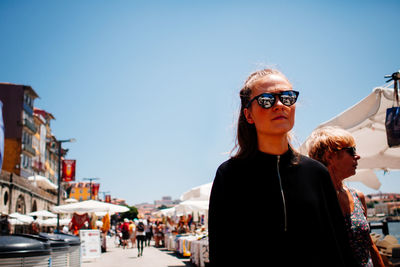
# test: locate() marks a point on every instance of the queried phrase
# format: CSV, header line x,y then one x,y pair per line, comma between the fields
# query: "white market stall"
x,y
43,213
89,206
201,192
20,219
366,122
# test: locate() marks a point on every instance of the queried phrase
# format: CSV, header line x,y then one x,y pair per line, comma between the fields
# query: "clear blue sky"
x,y
150,88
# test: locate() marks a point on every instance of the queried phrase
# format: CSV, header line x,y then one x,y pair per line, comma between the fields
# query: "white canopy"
x,y
89,206
53,222
71,200
21,218
366,121
42,182
189,206
164,212
201,192
43,213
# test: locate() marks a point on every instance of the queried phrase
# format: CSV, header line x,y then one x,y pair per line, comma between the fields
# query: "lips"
x,y
280,117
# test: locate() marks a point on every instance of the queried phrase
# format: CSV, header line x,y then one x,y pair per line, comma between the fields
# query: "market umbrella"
x,y
89,206
71,200
366,122
164,212
43,213
23,219
53,222
192,206
201,192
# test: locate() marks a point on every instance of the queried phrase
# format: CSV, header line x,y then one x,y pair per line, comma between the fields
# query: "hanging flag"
x,y
108,199
95,190
68,170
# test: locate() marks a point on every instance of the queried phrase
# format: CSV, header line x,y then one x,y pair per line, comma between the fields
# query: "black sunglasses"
x,y
267,100
350,150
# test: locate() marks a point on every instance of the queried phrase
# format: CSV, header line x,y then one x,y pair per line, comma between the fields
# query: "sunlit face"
x,y
277,120
344,163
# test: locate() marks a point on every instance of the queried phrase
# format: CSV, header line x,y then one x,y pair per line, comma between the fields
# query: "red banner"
x,y
108,198
68,170
95,190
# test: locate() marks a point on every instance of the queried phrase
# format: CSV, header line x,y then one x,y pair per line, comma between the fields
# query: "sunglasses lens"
x,y
351,151
288,98
266,100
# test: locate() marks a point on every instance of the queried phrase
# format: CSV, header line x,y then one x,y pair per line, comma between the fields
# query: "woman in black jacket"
x,y
267,189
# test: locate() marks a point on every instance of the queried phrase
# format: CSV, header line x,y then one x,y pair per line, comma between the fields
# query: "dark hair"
x,y
246,138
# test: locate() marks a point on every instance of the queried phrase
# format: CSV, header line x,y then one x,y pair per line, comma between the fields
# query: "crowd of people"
x,y
140,232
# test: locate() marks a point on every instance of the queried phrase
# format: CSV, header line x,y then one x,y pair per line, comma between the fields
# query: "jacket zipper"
x,y
282,193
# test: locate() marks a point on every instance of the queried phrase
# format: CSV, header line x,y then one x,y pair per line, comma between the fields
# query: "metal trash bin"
x,y
74,247
74,251
59,250
18,250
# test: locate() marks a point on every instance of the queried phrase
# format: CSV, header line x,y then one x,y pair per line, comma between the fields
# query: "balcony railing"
x,y
30,125
29,149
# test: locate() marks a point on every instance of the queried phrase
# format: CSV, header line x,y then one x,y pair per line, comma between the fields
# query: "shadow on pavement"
x,y
185,260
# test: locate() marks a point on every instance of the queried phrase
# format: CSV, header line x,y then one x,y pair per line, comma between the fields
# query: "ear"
x,y
247,115
328,157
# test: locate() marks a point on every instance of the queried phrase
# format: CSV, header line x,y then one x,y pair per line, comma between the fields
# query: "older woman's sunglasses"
x,y
350,150
267,100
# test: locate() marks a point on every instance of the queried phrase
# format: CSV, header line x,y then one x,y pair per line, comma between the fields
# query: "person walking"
x,y
132,233
149,232
267,177
140,236
125,233
336,149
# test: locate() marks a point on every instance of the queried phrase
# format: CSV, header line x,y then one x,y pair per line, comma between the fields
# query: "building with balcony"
x,y
19,127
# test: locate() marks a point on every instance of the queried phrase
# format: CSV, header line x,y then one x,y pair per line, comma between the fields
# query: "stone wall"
x,y
17,194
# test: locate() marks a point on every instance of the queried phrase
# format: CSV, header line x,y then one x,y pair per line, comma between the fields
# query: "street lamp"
x,y
59,142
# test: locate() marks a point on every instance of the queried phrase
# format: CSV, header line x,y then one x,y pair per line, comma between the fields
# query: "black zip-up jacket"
x,y
270,210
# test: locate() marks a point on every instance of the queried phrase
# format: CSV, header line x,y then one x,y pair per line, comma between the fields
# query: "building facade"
x,y
29,149
82,191
17,194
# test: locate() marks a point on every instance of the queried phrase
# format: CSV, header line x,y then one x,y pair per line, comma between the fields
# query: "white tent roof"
x,y
366,121
42,182
43,213
201,192
23,219
89,206
53,222
164,212
189,206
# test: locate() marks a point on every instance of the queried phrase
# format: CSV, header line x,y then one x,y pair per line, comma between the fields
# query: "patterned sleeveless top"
x,y
358,230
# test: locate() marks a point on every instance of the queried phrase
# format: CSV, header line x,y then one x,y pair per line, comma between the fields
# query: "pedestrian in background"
x,y
336,149
132,233
140,236
267,177
149,232
125,233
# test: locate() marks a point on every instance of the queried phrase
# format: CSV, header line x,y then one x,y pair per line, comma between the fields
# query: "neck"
x,y
276,145
337,180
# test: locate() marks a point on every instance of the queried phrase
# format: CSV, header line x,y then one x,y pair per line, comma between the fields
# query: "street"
x,y
152,257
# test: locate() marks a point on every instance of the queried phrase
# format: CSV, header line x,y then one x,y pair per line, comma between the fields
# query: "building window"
x,y
5,198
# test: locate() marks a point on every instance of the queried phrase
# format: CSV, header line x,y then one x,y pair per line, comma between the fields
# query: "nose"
x,y
278,103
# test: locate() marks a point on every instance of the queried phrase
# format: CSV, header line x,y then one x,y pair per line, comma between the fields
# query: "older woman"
x,y
268,190
336,149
